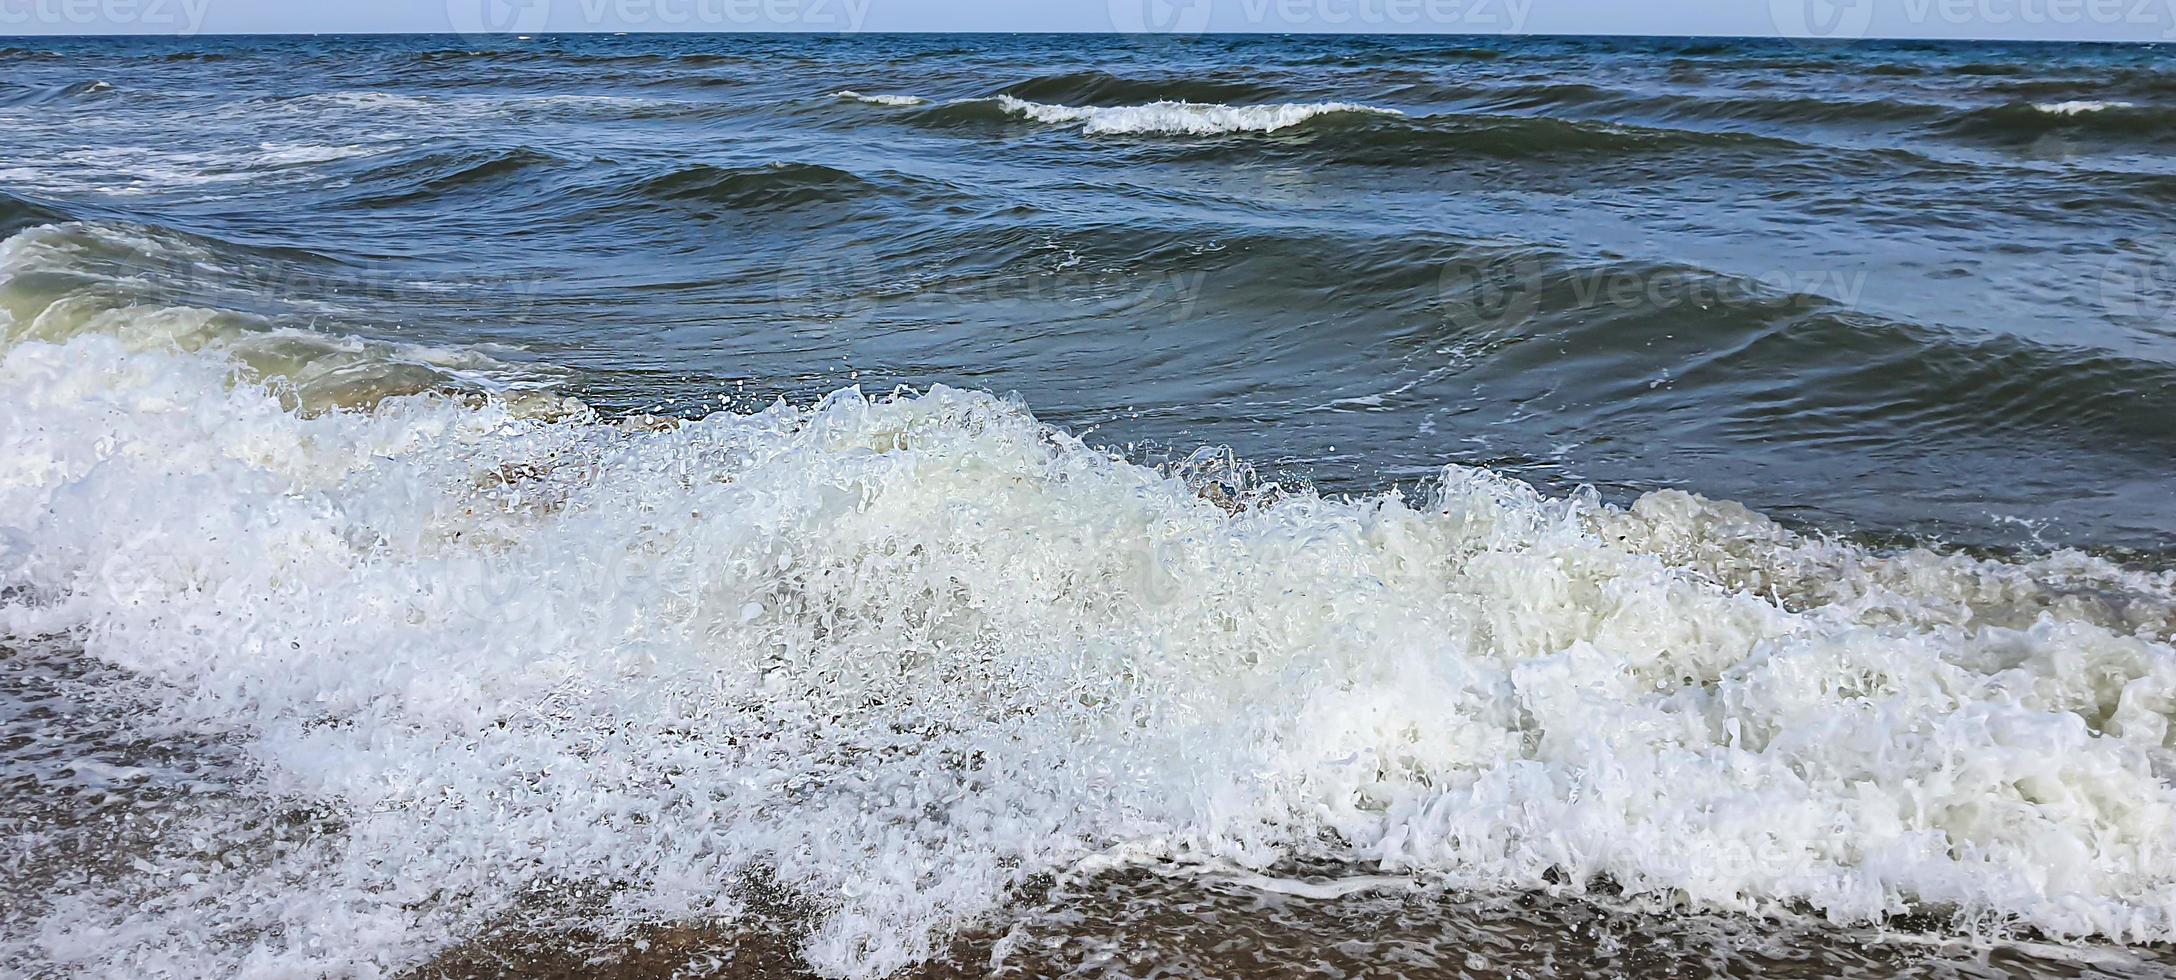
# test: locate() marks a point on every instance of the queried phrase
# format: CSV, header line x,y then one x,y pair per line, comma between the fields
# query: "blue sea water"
x,y
1888,288
438,503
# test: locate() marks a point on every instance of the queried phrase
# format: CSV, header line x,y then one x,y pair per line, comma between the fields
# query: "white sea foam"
x,y
2078,107
313,370
899,654
880,99
138,170
363,99
1183,117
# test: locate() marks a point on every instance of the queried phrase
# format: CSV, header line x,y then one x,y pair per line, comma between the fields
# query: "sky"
x,y
2114,20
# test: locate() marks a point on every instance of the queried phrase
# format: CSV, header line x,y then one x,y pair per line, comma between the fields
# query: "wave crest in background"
x,y
1183,117
774,186
1099,88
62,282
879,98
2102,119
894,657
1163,117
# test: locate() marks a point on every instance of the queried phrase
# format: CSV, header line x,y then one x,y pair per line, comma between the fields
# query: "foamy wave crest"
x,y
2078,107
892,657
880,99
1183,117
59,282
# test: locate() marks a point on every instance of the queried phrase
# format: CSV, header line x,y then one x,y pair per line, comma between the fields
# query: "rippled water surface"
x,y
1883,287
1501,505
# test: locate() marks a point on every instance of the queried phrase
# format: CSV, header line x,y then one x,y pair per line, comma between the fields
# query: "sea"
x,y
1044,505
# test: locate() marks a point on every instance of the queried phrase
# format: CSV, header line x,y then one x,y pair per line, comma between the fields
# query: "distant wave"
x,y
1527,95
1581,100
443,173
1350,131
78,90
771,186
1183,117
1099,88
1421,141
519,55
1685,106
2075,107
1803,110
1406,57
355,99
2110,119
2125,84
547,184
880,99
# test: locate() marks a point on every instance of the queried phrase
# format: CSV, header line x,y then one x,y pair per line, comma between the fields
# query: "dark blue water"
x,y
1884,288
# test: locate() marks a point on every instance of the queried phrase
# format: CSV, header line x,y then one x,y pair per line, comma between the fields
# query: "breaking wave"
x,y
2114,120
1179,118
880,98
1348,132
891,658
1182,117
62,282
65,93
2076,106
1106,89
